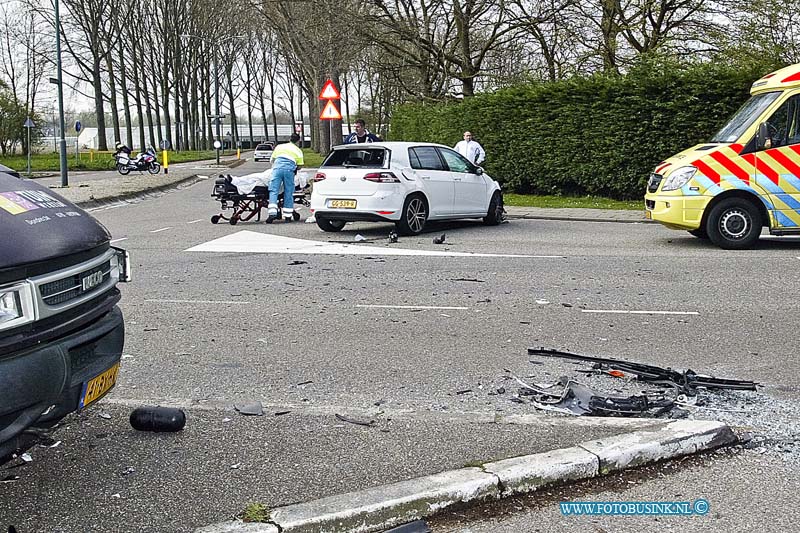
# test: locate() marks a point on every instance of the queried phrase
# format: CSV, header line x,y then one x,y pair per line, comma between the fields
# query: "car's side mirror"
x,y
479,171
762,137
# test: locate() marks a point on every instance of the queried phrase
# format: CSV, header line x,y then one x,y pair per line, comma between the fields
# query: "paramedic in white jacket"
x,y
470,149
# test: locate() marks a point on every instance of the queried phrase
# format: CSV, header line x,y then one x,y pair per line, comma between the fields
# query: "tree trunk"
x,y
112,96
97,84
123,80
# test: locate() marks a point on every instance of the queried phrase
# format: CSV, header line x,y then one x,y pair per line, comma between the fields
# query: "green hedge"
x,y
599,135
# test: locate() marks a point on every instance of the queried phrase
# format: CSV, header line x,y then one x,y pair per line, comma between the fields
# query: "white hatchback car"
x,y
263,151
402,182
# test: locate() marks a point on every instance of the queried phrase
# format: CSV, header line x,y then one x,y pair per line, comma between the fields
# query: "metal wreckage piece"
x,y
570,397
687,381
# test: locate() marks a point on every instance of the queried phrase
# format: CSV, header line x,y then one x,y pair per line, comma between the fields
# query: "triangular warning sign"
x,y
329,91
330,112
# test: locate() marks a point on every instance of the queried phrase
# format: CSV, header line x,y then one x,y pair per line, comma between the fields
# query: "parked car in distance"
x,y
402,182
263,152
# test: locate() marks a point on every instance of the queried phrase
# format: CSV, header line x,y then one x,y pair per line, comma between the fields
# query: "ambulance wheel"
x,y
330,225
296,216
215,219
700,233
734,224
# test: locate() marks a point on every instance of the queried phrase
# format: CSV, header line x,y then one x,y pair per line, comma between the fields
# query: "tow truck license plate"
x,y
98,386
346,204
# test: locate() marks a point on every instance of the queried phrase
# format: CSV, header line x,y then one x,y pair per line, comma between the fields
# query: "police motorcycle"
x,y
144,161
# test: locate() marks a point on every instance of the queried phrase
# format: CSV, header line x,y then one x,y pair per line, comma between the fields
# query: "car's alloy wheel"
x,y
415,214
496,213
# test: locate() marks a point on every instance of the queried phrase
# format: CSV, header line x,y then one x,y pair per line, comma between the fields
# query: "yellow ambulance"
x,y
745,178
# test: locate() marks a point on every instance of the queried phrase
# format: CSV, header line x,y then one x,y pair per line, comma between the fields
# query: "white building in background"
x,y
88,139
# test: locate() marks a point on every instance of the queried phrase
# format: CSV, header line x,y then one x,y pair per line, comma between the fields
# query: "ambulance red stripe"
x,y
735,169
762,167
778,155
707,171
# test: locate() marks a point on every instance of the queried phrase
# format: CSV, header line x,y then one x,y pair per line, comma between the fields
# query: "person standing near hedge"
x,y
470,149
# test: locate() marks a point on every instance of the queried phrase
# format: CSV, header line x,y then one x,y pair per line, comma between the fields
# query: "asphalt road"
x,y
429,340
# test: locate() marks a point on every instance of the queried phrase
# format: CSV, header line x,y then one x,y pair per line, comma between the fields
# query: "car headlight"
x,y
678,178
16,306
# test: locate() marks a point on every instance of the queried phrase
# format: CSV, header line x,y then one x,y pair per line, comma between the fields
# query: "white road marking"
x,y
162,229
623,312
414,307
195,221
118,240
234,302
265,243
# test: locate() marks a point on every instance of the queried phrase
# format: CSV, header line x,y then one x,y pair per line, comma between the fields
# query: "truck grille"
x,y
71,287
653,182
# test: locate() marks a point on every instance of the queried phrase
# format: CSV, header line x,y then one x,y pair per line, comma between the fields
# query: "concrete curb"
x,y
105,200
386,506
581,219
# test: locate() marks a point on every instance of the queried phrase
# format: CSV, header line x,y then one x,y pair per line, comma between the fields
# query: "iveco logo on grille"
x,y
92,280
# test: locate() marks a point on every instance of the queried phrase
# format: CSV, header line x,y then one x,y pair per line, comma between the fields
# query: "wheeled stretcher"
x,y
247,195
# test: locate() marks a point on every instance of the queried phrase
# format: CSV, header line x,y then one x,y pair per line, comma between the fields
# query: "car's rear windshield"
x,y
357,157
264,147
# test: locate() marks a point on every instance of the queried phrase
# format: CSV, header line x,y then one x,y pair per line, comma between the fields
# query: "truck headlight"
x,y
678,178
16,306
121,262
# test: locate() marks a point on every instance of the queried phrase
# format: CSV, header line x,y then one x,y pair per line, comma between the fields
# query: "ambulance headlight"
x,y
678,179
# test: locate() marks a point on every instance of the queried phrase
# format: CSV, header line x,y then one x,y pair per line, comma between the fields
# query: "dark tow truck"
x,y
61,332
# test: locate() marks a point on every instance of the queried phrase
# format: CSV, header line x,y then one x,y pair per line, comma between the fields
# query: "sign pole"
x,y
28,124
329,93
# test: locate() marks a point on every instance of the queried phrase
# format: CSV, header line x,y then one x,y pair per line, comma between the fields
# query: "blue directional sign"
x,y
78,126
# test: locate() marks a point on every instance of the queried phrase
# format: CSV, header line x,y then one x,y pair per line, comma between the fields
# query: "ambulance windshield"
x,y
744,118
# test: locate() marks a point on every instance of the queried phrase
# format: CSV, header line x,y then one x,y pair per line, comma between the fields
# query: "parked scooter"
x,y
144,161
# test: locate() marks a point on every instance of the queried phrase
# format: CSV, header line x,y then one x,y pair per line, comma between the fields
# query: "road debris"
x,y
158,419
417,526
570,397
440,239
367,423
393,237
687,381
250,408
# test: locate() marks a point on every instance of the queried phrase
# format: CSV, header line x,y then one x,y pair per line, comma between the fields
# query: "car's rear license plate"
x,y
346,204
98,386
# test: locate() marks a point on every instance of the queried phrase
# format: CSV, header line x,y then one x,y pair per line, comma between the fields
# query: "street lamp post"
x,y
62,141
216,98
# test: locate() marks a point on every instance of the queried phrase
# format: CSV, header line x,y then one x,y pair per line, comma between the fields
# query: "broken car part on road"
x,y
687,381
570,397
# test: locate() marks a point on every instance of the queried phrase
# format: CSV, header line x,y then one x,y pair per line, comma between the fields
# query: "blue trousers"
x,y
285,177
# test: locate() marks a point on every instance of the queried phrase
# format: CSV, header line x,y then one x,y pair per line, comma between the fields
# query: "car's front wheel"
x,y
415,214
496,213
734,224
330,225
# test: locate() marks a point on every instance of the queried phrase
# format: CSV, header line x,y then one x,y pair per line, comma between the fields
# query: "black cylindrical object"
x,y
158,419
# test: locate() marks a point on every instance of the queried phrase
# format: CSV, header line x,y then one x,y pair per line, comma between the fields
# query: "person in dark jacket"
x,y
362,134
